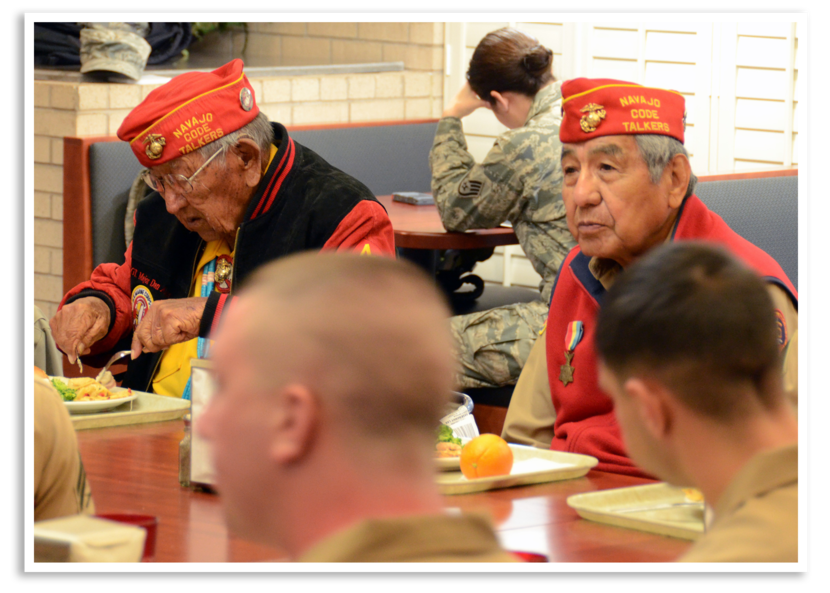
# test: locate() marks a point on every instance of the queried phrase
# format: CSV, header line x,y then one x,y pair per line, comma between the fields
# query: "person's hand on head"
x,y
166,323
464,103
78,325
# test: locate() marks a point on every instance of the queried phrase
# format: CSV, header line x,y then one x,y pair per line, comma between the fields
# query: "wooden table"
x,y
420,227
419,234
135,469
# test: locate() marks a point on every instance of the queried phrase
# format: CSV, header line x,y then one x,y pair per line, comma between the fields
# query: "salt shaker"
x,y
184,455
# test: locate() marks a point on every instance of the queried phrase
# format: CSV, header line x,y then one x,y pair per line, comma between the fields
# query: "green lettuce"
x,y
445,435
67,393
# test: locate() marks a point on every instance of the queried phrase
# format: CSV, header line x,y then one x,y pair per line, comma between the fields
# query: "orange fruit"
x,y
486,455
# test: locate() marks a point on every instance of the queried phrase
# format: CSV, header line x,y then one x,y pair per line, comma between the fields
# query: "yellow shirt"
x,y
174,368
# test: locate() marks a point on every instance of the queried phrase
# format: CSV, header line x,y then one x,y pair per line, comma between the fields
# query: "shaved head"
x,y
368,335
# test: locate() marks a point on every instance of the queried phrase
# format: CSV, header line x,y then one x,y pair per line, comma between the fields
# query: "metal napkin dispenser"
x,y
202,389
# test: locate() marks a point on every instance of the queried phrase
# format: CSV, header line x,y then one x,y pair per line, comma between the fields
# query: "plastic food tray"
x,y
147,407
656,508
530,466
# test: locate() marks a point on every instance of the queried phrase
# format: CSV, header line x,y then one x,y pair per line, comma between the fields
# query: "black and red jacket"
x,y
302,203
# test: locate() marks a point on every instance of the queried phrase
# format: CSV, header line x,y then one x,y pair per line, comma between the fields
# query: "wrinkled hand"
x,y
80,324
166,323
464,103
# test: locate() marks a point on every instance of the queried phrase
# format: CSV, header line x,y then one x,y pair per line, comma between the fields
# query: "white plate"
x,y
98,405
448,464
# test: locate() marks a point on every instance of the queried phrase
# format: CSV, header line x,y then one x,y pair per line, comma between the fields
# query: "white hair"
x,y
658,151
259,130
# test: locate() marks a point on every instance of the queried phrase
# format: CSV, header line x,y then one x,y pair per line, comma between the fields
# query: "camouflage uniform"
x,y
520,180
115,47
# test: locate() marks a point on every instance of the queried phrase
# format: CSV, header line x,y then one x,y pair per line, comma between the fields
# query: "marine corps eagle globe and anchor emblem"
x,y
594,114
224,274
155,145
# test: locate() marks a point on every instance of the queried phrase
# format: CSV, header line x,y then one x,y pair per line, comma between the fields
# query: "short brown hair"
x,y
371,336
509,60
691,315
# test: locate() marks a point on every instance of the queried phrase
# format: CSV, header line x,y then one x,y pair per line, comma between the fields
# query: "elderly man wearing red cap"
x,y
232,191
628,187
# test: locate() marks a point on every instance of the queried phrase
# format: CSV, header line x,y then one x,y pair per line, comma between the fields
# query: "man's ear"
x,y
294,423
502,103
250,157
679,171
653,406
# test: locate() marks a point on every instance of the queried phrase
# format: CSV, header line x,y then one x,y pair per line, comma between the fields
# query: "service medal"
x,y
566,371
572,338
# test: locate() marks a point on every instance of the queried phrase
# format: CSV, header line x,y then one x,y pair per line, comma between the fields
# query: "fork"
x,y
117,356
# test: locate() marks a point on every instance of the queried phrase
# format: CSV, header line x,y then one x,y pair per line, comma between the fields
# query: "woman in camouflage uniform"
x,y
520,181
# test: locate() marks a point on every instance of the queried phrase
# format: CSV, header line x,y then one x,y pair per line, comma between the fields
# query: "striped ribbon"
x,y
203,344
573,335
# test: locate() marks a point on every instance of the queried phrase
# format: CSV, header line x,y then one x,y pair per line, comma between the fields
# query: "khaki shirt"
x,y
519,180
756,518
424,538
530,416
61,486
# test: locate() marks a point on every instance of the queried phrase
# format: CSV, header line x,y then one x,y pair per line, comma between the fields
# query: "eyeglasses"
x,y
184,185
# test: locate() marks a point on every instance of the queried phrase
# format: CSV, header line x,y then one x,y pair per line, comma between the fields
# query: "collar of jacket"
x,y
281,165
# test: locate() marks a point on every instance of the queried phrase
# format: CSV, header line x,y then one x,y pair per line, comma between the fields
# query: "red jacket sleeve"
x,y
366,229
110,283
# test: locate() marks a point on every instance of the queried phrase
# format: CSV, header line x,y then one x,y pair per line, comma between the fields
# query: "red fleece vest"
x,y
585,421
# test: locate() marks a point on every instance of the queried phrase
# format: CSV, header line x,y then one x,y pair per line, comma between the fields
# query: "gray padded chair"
x,y
390,159
764,211
112,169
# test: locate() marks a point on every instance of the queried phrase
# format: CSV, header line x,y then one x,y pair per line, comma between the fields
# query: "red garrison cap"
x,y
593,107
191,110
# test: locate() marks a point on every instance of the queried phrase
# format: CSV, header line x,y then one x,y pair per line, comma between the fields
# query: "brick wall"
x,y
420,46
81,109
415,93
66,109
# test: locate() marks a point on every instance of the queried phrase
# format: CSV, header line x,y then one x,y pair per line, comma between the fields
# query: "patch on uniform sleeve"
x,y
782,328
469,188
141,298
